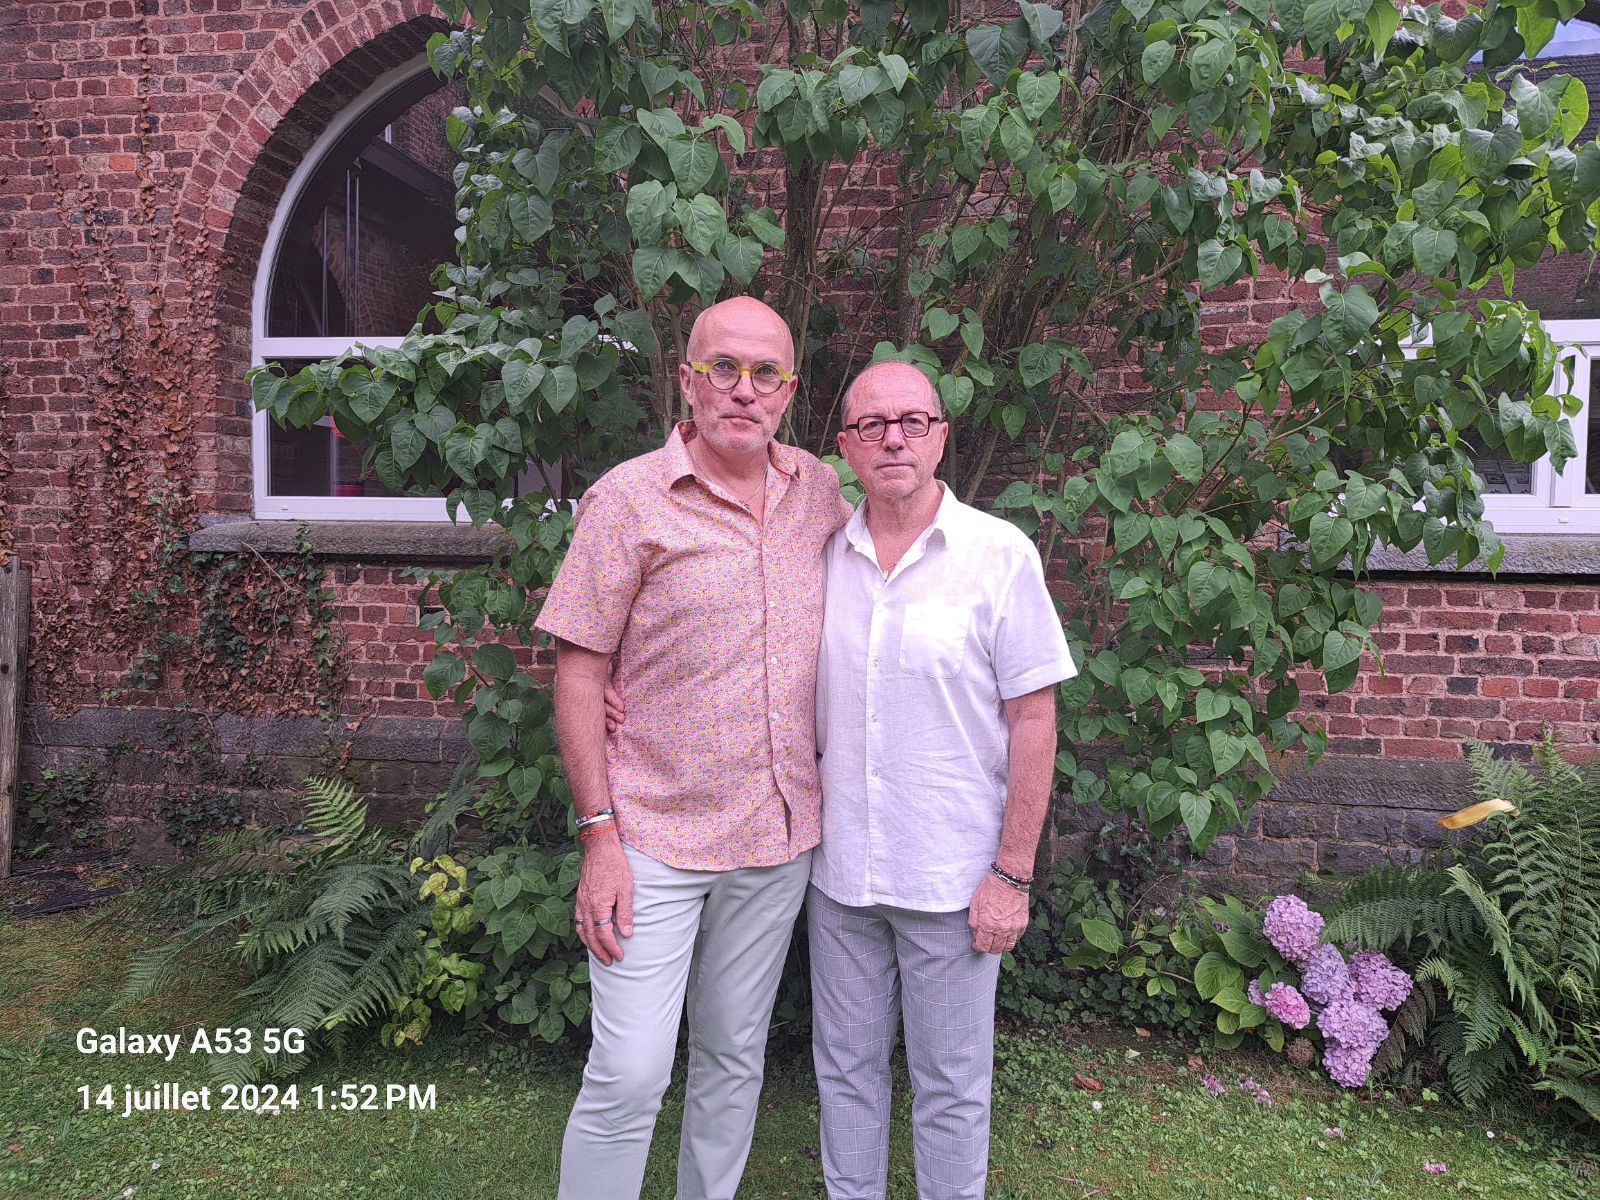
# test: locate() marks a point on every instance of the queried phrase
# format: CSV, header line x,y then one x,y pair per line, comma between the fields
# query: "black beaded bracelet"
x,y
1011,881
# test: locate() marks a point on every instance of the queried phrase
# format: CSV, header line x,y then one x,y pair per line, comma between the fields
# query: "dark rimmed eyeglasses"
x,y
723,374
912,425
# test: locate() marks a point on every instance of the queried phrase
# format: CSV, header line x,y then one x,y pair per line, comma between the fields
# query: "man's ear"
x,y
793,388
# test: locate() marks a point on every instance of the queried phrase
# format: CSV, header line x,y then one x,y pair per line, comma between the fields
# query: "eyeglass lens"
x,y
911,425
765,377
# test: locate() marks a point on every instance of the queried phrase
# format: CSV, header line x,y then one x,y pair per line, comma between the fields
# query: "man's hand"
x,y
605,898
998,916
615,712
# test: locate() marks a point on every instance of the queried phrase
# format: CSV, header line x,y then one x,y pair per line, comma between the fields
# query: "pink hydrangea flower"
x,y
1377,981
1292,928
1286,1004
1347,1066
1324,976
1354,1032
1354,1024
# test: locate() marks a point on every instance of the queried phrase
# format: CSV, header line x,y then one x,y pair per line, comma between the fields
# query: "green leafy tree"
x,y
1070,184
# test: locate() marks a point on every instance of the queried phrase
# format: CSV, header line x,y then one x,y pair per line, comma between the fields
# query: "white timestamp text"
x,y
259,1098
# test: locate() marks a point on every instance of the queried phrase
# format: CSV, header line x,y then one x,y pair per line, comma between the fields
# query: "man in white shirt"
x,y
941,652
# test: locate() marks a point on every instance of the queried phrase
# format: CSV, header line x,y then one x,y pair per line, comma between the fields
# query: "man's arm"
x,y
999,913
605,886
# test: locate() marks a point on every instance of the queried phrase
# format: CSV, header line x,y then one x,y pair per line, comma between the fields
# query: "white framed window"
x,y
1534,497
347,262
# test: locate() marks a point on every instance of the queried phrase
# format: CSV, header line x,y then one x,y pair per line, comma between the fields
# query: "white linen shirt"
x,y
911,729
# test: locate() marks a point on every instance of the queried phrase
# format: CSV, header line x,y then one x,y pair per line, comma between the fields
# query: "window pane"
x,y
318,461
371,225
1504,477
1591,416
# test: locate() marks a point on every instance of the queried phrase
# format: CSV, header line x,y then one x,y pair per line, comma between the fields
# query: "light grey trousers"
x,y
868,965
719,937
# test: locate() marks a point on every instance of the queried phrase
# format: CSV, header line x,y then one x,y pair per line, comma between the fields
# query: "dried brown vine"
x,y
121,601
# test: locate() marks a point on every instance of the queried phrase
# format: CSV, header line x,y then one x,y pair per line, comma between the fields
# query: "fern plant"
x,y
1509,930
325,924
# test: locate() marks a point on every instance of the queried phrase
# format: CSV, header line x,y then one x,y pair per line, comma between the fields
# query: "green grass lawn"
x,y
496,1129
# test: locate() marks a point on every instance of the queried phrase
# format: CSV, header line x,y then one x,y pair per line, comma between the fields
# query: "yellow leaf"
x,y
1471,815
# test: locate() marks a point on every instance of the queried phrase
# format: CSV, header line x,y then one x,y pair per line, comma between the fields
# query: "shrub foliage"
x,y
324,925
1511,932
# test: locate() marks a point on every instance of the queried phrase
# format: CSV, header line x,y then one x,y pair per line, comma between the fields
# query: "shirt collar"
x,y
945,520
784,459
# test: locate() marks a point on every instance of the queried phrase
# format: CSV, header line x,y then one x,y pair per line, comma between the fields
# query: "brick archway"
x,y
276,111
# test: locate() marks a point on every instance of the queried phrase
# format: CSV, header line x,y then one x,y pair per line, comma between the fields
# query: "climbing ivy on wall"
x,y
123,608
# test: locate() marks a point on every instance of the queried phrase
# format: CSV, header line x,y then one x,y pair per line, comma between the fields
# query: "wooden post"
x,y
15,607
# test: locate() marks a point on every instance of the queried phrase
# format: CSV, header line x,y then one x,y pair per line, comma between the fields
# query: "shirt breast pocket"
x,y
933,641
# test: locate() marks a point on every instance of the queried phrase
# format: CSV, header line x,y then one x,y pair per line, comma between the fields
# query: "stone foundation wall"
x,y
1345,815
156,765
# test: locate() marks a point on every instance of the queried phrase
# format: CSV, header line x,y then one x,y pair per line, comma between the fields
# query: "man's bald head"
x,y
738,317
737,424
893,378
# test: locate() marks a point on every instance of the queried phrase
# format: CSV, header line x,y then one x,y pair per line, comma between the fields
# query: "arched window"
x,y
348,258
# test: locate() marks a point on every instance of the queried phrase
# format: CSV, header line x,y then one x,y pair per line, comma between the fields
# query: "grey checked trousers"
x,y
868,966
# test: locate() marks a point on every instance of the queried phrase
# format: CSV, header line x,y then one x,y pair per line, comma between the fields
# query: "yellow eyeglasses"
x,y
724,375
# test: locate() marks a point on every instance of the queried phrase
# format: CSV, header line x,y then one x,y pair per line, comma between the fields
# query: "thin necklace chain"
x,y
760,483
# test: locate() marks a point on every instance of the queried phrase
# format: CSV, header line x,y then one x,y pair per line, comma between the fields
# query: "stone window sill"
x,y
1559,555
402,541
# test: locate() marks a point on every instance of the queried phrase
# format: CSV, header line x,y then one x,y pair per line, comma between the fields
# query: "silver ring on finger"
x,y
602,921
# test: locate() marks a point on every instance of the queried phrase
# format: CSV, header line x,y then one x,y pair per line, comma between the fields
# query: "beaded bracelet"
x,y
605,814
1011,881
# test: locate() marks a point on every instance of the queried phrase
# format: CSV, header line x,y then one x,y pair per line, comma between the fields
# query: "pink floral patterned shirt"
x,y
716,621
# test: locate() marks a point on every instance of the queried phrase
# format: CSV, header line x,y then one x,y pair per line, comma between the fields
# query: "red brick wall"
x,y
1492,661
128,136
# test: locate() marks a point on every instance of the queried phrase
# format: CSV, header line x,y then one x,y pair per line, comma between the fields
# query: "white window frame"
x,y
1557,502
264,349
1554,503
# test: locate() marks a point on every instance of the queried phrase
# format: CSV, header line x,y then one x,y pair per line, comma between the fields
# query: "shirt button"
x,y
874,772
874,718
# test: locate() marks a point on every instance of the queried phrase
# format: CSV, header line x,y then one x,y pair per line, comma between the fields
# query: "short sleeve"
x,y
1030,648
589,602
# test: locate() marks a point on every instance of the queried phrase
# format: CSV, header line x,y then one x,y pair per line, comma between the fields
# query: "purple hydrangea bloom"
x,y
1292,928
1286,1004
1353,1024
1347,1065
1324,976
1253,994
1377,981
1213,1085
1249,1084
